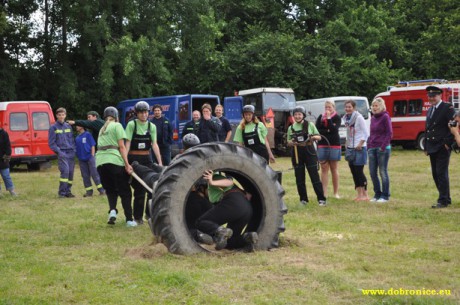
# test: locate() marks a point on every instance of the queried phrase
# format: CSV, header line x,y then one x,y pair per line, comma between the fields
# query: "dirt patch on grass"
x,y
150,251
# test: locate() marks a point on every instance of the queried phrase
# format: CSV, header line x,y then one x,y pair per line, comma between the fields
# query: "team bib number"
x,y
251,141
141,146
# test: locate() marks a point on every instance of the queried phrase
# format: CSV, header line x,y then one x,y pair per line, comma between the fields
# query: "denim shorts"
x,y
329,154
360,157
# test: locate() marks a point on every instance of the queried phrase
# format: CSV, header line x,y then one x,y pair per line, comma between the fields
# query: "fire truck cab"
x,y
407,103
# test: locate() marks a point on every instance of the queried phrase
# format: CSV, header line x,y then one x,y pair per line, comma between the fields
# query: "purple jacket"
x,y
381,131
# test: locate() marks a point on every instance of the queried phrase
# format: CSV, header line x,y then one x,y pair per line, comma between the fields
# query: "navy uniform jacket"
x,y
164,130
437,132
206,131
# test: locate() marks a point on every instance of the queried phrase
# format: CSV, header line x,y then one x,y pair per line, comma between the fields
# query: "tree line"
x,y
89,54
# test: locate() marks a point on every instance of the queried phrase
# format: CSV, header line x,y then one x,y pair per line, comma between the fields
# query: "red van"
x,y
27,124
407,103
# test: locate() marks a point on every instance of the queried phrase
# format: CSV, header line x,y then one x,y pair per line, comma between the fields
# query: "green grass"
x,y
62,251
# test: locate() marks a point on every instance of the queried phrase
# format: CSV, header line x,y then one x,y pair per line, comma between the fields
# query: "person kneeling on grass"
x,y
231,207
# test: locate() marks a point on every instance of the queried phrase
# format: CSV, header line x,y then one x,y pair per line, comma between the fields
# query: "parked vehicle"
x,y
177,108
27,124
315,107
273,106
407,104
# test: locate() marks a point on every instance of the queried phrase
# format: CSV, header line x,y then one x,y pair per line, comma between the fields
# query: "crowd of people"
x,y
107,152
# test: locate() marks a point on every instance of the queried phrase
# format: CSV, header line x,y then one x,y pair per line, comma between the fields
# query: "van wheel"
x,y
247,168
421,141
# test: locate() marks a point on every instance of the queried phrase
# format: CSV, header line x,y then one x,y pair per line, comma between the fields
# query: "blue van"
x,y
177,108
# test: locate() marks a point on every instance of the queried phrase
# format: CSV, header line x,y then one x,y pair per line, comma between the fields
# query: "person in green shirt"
x,y
231,207
113,166
253,134
301,135
141,137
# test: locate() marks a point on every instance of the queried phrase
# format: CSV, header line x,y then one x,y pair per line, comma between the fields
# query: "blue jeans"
x,y
378,160
7,179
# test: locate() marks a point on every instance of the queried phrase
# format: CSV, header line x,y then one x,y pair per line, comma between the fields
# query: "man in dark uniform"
x,y
93,123
438,143
164,134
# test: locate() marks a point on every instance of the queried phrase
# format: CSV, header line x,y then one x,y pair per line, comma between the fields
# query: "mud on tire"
x,y
249,169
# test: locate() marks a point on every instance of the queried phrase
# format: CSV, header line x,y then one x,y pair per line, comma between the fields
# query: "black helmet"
x,y
300,109
190,140
141,106
248,108
111,111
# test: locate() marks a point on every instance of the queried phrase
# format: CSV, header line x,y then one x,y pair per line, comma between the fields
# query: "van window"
x,y
183,110
400,108
415,107
198,102
41,121
361,105
18,121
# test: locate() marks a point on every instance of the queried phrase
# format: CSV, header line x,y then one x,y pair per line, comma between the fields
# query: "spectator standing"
x,y
225,132
356,149
5,157
379,150
164,135
62,142
438,143
329,147
86,150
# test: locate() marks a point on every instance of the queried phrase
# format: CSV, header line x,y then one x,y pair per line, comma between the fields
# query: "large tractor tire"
x,y
247,168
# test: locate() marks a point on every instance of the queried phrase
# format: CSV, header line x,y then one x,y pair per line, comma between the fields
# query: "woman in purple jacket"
x,y
379,150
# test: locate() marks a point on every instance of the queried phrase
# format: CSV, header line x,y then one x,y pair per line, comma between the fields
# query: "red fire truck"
x,y
407,103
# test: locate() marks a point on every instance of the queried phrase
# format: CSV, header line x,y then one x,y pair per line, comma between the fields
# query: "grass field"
x,y
61,251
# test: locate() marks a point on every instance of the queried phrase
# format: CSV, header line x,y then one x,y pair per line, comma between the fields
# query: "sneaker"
x,y
70,195
251,238
382,200
102,193
220,237
203,238
13,193
112,217
322,203
374,200
131,223
303,202
139,221
62,196
88,195
337,196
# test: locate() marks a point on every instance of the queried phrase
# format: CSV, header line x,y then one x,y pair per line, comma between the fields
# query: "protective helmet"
x,y
141,106
190,140
111,111
249,108
300,109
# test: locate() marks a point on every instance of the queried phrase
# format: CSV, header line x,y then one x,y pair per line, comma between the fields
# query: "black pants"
x,y
440,171
357,171
196,206
114,179
308,159
234,210
139,191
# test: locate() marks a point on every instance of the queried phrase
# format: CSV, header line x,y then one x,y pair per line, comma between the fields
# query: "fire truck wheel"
x,y
421,141
251,171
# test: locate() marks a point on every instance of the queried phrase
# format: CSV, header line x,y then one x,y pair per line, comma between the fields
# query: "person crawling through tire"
x,y
231,207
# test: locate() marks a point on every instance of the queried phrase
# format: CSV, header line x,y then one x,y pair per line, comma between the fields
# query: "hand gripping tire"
x,y
249,169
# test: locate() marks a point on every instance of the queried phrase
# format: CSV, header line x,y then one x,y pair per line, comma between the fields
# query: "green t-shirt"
x,y
112,134
261,130
141,129
215,193
312,130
